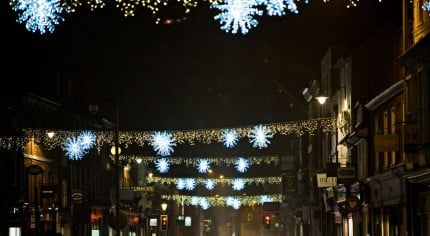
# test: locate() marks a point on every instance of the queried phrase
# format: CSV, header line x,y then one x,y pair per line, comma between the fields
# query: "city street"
x,y
215,118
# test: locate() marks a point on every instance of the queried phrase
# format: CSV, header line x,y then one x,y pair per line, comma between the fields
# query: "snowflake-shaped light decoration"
x,y
229,138
265,198
194,200
277,7
190,184
259,136
162,165
39,15
87,139
426,6
203,165
180,184
204,204
73,148
237,14
236,204
241,165
238,184
210,184
162,142
229,201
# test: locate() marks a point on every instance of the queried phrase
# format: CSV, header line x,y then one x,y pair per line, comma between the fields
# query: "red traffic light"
x,y
164,222
266,222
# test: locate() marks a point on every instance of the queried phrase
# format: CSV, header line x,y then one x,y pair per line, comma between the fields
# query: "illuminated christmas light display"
x,y
162,143
237,15
277,7
229,138
265,198
73,148
426,6
190,184
221,201
39,15
142,138
238,184
162,165
242,165
210,184
218,181
87,139
180,184
204,204
194,200
203,165
259,136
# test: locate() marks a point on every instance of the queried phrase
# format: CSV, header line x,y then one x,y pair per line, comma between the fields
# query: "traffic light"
x,y
164,222
267,221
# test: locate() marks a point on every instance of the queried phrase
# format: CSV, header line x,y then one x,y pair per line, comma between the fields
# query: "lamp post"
x,y
93,108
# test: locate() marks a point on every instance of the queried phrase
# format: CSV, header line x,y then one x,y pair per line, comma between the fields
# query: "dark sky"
x,y
186,75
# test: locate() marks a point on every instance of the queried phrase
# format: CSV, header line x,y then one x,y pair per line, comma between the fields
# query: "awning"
x,y
418,176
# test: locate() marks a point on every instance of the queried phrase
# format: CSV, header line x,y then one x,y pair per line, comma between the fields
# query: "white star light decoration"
x,y
242,165
194,200
426,6
277,7
180,184
203,165
238,184
162,143
39,15
74,149
87,139
233,202
204,204
210,184
259,136
265,198
229,138
162,165
237,14
190,184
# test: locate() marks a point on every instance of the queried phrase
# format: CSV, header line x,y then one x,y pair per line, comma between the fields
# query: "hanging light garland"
x,y
182,182
240,163
205,136
162,165
238,184
222,201
203,165
77,147
234,15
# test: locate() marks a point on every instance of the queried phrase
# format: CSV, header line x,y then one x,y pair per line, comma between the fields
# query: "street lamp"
x,y
164,206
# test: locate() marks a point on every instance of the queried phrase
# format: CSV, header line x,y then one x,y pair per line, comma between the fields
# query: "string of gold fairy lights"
x,y
218,181
192,161
129,7
141,138
220,201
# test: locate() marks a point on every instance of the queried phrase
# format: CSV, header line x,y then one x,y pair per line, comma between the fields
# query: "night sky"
x,y
187,75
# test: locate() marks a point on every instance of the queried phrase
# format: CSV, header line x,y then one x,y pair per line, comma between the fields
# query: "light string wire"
x,y
142,138
221,201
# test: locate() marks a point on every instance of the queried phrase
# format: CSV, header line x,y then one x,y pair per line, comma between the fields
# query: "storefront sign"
x,y
352,204
346,172
386,143
34,169
323,181
47,191
77,196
